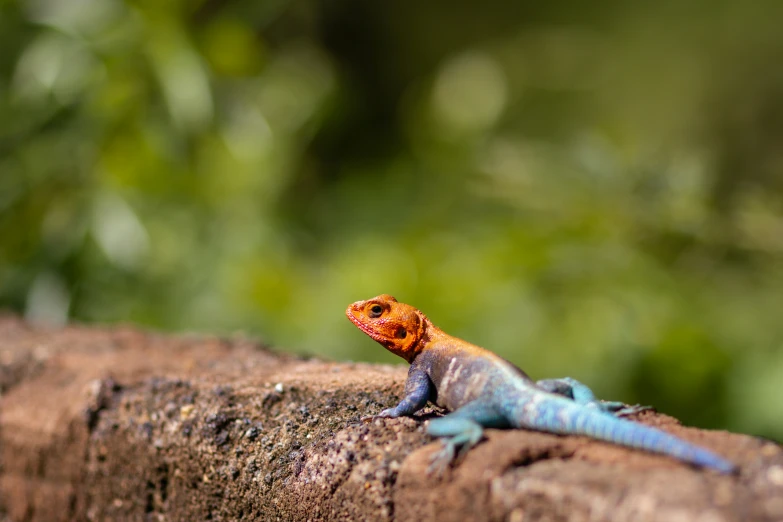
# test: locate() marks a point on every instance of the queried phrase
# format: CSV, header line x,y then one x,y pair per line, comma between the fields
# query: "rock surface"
x,y
119,424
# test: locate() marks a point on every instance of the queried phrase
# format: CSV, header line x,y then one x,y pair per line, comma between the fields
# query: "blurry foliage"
x,y
591,190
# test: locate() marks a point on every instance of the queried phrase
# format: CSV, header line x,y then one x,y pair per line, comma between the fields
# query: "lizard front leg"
x,y
582,394
418,390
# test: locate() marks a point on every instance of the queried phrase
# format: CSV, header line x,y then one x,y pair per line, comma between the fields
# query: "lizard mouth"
x,y
363,327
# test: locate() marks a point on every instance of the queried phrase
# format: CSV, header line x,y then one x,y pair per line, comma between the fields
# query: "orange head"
x,y
400,328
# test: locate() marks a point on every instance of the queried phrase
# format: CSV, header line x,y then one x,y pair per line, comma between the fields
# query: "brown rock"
x,y
117,424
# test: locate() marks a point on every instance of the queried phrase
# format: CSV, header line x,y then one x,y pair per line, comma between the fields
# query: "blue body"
x,y
483,390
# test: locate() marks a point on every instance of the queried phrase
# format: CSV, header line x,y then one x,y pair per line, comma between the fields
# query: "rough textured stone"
x,y
118,424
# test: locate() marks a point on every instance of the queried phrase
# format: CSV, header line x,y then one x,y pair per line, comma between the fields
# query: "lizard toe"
x,y
627,410
388,413
440,460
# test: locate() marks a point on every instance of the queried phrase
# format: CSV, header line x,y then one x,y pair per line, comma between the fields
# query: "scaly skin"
x,y
483,390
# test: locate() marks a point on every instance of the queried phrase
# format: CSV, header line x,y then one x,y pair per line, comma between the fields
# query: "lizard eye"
x,y
376,311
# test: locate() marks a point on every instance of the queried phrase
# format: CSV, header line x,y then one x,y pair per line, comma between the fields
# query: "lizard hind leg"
x,y
582,394
461,430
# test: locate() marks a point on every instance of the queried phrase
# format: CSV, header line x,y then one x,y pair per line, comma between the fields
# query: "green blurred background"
x,y
589,189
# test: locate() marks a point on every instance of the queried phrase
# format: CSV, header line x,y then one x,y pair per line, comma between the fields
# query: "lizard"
x,y
483,390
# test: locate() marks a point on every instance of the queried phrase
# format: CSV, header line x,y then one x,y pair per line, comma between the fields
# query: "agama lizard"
x,y
483,390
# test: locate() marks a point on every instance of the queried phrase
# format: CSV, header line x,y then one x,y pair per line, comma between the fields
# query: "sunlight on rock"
x,y
48,301
119,232
470,92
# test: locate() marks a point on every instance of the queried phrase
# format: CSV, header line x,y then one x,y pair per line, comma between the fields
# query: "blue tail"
x,y
556,415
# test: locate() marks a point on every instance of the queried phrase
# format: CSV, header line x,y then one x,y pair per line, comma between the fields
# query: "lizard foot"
x,y
388,413
458,433
619,409
441,460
